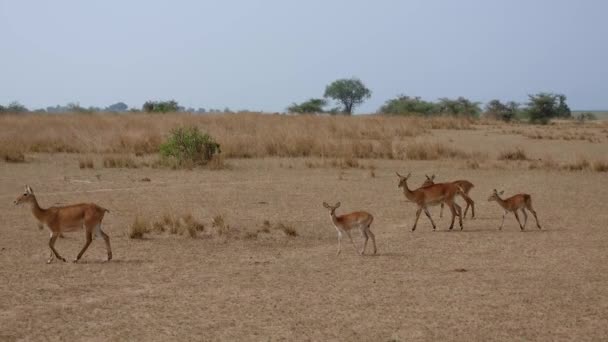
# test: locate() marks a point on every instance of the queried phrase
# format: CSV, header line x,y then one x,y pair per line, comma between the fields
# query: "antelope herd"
x,y
89,216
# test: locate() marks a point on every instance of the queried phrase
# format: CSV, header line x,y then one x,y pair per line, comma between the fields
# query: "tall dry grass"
x,y
240,135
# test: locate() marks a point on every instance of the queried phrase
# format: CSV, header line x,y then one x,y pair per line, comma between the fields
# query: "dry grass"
x,y
240,135
433,151
138,228
183,225
86,163
600,166
516,154
119,162
11,153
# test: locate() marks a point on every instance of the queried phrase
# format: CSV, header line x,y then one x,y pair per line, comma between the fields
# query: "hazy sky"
x,y
264,55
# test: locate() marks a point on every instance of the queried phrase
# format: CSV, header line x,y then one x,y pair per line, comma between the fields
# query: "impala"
x,y
68,218
512,204
431,195
345,223
465,185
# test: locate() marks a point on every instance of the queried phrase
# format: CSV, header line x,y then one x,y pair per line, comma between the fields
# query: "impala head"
x,y
495,195
332,209
402,180
26,197
429,180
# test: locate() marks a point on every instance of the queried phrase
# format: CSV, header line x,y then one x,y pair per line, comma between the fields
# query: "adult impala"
x,y
345,223
431,195
512,204
68,218
465,185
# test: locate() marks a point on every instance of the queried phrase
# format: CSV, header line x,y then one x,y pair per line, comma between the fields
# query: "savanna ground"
x,y
262,284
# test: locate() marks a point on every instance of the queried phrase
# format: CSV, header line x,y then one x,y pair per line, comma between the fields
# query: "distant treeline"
x,y
350,93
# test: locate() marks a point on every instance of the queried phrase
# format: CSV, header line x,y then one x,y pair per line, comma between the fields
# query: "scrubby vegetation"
x,y
189,146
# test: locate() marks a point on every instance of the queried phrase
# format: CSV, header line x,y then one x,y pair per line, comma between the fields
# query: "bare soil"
x,y
476,284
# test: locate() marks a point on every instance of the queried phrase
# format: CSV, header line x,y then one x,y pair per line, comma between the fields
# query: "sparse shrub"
x,y
138,228
189,146
516,154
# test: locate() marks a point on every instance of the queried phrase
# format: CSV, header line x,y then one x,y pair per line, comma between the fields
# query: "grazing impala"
x,y
465,185
68,219
432,195
512,204
345,223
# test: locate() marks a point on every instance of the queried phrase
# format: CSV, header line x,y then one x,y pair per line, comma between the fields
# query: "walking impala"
x,y
465,185
433,195
512,204
68,219
345,223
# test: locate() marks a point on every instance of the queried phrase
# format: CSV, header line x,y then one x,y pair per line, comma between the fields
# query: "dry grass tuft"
x,y
11,154
600,166
119,162
138,228
516,154
86,163
286,229
433,151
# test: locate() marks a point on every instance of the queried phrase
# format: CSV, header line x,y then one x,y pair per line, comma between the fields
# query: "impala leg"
x,y
529,206
339,243
106,239
535,218
89,238
353,242
417,217
453,210
426,212
459,213
441,211
52,240
371,235
503,220
517,217
523,210
365,237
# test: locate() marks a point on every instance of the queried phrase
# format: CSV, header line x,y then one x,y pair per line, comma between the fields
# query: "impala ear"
x,y
337,205
28,190
326,205
398,175
433,176
495,191
502,192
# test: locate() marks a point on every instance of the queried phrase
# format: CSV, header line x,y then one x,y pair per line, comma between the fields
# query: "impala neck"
x,y
38,212
407,192
501,202
334,219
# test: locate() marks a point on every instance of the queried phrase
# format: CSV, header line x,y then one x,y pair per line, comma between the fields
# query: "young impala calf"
x,y
67,219
345,223
432,195
465,185
514,203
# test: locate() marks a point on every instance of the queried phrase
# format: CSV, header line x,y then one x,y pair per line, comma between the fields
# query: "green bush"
x,y
189,146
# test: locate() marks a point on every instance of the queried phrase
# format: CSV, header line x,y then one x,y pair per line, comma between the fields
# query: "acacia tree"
x,y
310,106
544,106
349,92
500,111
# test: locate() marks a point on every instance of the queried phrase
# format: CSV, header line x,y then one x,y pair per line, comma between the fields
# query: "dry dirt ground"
x,y
477,284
